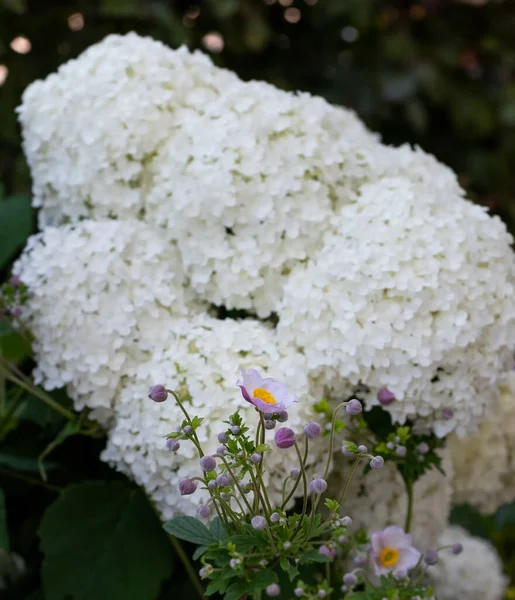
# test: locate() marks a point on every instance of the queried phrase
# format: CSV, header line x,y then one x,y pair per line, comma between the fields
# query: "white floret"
x,y
475,574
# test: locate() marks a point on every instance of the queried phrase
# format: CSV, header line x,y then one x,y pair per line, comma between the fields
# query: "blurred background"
x,y
436,73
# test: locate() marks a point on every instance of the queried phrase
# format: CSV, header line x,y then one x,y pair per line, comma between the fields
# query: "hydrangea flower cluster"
x,y
172,194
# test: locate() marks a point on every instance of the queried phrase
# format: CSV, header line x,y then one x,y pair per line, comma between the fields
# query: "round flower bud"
x,y
282,417
346,521
256,458
385,396
457,549
234,562
312,430
298,592
354,407
360,560
221,450
187,430
223,437
235,429
295,474
423,448
273,590
447,413
225,497
284,438
212,484
321,594
268,416
187,487
203,573
158,393
430,557
207,463
223,480
346,451
377,462
274,517
203,511
401,451
173,445
14,280
17,311
362,449
342,539
258,522
317,486
287,545
270,424
390,446
400,575
350,580
326,551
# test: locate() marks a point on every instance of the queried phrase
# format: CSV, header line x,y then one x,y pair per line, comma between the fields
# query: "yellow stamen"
x,y
264,395
389,557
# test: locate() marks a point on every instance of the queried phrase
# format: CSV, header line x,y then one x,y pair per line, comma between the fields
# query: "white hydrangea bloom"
x,y
200,365
475,574
379,499
100,291
167,185
414,291
485,463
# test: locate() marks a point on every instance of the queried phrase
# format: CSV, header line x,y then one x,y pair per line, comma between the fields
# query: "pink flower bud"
x,y
158,393
284,437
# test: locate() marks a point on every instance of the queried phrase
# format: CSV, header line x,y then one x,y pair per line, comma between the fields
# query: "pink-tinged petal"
x,y
394,537
408,559
266,408
278,390
290,400
245,394
377,541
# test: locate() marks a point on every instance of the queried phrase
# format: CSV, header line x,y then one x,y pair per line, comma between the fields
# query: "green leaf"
x,y
16,226
14,347
103,541
288,568
190,529
23,463
199,552
217,529
261,580
217,586
236,590
4,533
313,556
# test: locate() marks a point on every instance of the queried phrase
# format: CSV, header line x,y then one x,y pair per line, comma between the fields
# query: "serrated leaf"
x,y
190,529
15,226
236,590
103,541
4,533
217,586
289,569
217,529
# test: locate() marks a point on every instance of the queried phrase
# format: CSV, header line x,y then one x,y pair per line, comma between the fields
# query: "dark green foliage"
x,y
103,540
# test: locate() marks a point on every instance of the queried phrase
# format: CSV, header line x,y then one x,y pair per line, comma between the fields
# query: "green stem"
x,y
31,480
352,471
409,490
303,467
194,437
36,392
305,484
264,495
331,439
236,483
188,566
4,420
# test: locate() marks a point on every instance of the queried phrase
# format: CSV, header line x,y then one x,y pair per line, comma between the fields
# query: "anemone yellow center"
x,y
389,557
264,395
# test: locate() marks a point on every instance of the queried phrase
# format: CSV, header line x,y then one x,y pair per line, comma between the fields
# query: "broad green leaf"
x,y
102,541
217,586
190,529
4,533
199,552
261,580
23,463
217,529
313,556
236,590
15,226
13,346
288,568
